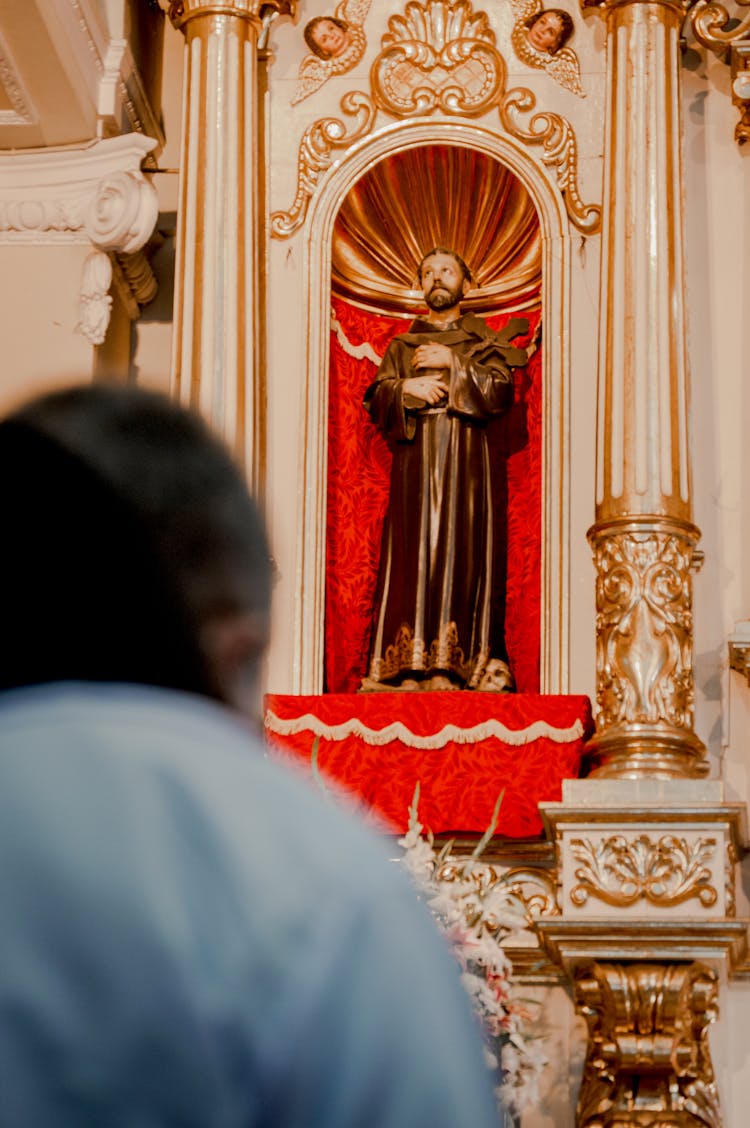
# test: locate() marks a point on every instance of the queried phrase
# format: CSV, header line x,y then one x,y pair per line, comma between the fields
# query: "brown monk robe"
x,y
432,620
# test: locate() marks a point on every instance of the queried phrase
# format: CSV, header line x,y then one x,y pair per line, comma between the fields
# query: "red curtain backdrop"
x,y
358,474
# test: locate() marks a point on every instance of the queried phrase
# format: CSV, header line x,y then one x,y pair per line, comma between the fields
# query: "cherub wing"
x,y
524,10
563,67
353,11
313,72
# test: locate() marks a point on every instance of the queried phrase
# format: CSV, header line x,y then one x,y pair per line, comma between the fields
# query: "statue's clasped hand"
x,y
432,356
428,388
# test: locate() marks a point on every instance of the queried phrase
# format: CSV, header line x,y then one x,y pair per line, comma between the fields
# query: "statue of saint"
x,y
438,386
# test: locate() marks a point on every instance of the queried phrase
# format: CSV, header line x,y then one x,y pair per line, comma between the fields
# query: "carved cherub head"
x,y
336,44
327,36
540,37
549,30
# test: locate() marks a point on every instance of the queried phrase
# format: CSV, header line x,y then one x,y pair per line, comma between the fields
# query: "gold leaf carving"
x,y
648,1059
621,871
730,908
644,629
560,63
714,28
316,146
559,151
438,55
534,890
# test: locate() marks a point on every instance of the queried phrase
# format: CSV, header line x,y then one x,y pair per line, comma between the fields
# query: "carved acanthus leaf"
x,y
318,142
622,871
648,1060
559,152
532,890
439,55
644,629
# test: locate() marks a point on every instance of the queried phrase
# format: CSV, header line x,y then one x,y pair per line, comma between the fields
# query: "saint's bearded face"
x,y
443,281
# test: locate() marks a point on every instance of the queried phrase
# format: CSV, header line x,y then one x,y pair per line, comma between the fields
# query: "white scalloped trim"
x,y
359,352
397,730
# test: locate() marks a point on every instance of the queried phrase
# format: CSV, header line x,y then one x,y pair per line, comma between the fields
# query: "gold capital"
x,y
681,7
648,1061
182,11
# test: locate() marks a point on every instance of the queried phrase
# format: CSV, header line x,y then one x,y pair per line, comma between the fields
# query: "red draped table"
x,y
463,749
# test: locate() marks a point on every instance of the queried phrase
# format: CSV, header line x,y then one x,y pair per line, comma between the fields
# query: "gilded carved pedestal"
x,y
648,1060
647,932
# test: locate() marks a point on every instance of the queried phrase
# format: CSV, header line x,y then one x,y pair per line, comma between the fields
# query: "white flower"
x,y
475,921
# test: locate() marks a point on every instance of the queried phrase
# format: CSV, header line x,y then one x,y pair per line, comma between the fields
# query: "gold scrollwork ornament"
x,y
438,55
533,890
644,629
622,871
648,1060
318,142
559,152
715,28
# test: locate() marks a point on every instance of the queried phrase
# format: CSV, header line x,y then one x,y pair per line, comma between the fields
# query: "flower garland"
x,y
475,919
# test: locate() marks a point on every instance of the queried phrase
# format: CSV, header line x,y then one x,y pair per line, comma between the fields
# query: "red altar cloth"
x,y
462,748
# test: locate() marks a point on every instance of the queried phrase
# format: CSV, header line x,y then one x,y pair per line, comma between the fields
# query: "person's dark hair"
x,y
445,251
310,28
566,25
126,526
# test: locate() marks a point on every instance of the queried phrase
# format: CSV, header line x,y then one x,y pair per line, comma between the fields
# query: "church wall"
x,y
39,288
717,176
717,192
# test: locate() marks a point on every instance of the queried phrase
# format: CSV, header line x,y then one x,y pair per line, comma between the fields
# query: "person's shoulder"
x,y
147,746
116,719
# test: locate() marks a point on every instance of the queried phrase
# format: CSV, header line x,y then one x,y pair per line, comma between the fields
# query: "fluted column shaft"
x,y
217,328
643,537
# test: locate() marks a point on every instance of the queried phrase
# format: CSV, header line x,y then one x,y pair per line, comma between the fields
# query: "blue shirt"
x,y
190,935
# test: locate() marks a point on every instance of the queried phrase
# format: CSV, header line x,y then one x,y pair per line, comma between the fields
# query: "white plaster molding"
x,y
121,92
101,67
96,303
122,212
96,193
22,111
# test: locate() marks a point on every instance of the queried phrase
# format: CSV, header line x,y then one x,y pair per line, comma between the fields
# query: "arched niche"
x,y
308,658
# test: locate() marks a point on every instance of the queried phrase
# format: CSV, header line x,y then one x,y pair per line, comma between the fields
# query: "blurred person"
x,y
190,934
